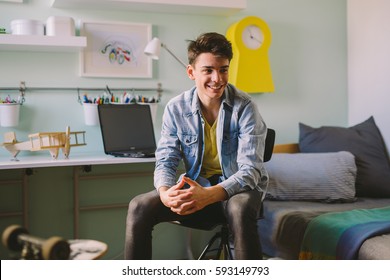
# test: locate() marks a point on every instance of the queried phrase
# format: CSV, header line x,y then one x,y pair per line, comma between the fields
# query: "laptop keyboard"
x,y
134,155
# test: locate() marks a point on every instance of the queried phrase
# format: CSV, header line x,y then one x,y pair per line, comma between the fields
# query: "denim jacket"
x,y
241,135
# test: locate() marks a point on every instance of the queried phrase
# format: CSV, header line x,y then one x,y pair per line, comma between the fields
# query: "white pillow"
x,y
326,177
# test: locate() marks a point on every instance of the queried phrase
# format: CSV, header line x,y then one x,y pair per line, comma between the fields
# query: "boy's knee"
x,y
240,208
137,204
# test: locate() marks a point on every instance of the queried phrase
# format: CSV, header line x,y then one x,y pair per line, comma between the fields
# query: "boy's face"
x,y
210,74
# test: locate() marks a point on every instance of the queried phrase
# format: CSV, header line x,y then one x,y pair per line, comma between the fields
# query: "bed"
x,y
329,201
283,228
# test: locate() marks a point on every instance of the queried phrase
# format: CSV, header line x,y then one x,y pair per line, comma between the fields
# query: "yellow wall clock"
x,y
250,69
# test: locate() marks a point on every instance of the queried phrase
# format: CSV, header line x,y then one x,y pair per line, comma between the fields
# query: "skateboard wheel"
x,y
55,248
10,237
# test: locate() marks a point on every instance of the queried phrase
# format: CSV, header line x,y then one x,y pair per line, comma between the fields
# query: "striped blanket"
x,y
339,235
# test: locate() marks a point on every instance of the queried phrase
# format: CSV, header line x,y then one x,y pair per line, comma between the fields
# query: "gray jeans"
x,y
240,211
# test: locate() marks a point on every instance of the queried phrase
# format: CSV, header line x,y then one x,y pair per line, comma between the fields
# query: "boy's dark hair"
x,y
211,42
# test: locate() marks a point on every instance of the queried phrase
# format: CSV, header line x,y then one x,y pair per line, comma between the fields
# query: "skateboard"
x,y
17,238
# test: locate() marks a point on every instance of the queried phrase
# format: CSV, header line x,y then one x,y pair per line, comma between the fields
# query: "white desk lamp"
x,y
153,48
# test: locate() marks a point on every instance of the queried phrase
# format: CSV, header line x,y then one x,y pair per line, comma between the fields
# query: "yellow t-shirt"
x,y
211,165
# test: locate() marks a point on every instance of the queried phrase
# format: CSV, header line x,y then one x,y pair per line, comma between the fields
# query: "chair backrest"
x,y
269,144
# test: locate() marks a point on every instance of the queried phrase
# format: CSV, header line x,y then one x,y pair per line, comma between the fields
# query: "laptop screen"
x,y
126,128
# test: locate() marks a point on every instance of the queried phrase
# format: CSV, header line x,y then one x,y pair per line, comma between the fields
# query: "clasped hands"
x,y
185,201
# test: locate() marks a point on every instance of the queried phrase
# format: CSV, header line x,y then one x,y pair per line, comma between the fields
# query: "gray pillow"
x,y
365,142
325,177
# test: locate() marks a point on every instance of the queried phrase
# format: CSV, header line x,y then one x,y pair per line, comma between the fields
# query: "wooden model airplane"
x,y
52,141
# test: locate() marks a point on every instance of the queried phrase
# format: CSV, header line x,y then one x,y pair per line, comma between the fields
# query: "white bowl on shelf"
x,y
27,27
60,26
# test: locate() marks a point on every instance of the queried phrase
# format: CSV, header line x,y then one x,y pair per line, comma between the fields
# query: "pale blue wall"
x,y
307,56
308,59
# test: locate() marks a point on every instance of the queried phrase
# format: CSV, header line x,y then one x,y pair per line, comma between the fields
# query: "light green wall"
x,y
308,60
307,56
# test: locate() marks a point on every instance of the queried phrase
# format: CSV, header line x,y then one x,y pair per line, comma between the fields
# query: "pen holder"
x,y
91,114
9,114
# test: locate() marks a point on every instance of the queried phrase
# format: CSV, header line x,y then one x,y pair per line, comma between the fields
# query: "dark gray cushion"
x,y
365,142
325,177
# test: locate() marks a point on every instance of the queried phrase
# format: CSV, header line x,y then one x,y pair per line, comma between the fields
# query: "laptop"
x,y
127,130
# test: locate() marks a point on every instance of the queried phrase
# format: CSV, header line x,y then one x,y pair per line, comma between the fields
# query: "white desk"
x,y
75,159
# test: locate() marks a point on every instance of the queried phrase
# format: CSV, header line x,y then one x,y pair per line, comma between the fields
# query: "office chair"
x,y
223,250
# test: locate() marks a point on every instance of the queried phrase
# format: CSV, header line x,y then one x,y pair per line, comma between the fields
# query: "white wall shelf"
x,y
203,7
10,42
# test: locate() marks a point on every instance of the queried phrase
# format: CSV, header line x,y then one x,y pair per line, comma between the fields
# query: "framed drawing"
x,y
115,49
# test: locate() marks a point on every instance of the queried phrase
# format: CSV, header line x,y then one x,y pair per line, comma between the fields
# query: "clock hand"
x,y
254,38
